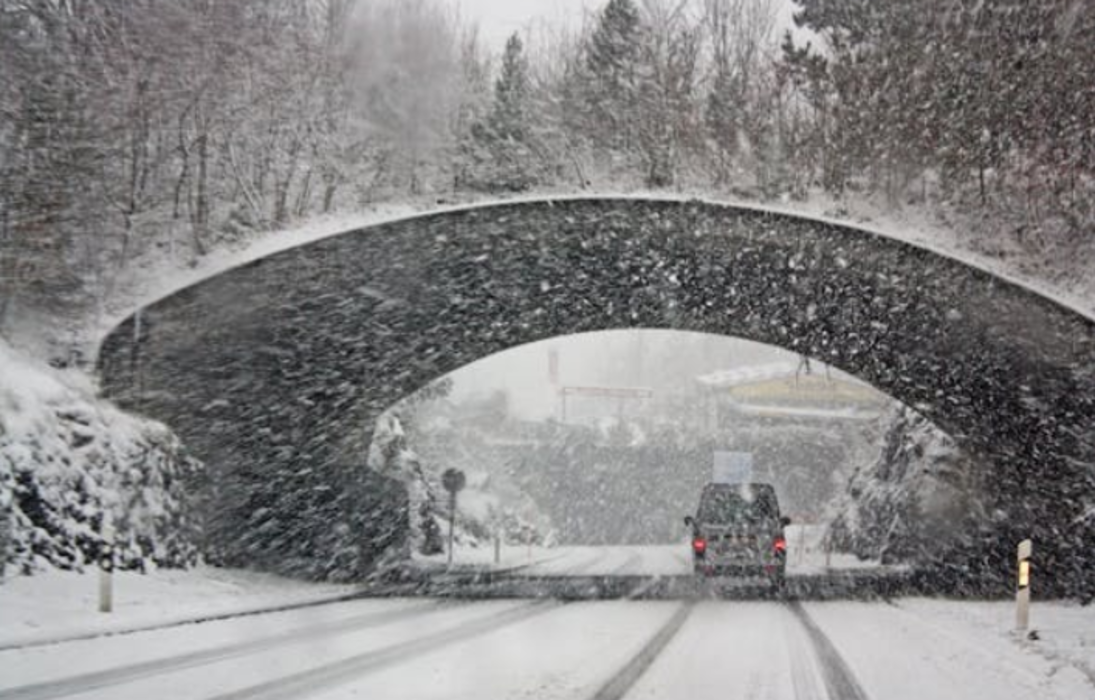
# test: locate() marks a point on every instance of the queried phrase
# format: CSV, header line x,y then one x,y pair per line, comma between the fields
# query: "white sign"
x,y
733,468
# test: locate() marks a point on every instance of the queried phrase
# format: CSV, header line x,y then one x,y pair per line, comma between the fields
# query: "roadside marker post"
x,y
1022,592
6,527
106,570
453,480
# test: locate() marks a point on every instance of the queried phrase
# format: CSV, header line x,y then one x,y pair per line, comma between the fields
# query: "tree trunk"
x,y
200,215
329,195
981,184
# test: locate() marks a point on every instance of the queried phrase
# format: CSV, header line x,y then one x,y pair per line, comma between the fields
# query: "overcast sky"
x,y
498,19
658,359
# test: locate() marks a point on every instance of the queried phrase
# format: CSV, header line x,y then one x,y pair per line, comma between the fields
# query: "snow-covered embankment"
x,y
69,460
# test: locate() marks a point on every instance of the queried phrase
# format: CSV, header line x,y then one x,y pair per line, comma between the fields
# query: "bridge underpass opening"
x,y
261,368
583,453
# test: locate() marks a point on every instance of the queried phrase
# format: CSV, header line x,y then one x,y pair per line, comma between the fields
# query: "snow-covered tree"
x,y
506,156
612,79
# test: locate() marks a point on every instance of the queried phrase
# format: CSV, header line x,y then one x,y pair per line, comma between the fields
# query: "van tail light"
x,y
781,545
699,546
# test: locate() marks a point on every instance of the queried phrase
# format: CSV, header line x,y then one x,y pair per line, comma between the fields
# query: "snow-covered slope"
x,y
67,459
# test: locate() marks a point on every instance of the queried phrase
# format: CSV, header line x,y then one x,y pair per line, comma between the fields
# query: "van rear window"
x,y
723,506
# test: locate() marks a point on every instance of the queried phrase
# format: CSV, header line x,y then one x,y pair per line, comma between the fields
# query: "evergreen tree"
x,y
666,115
613,76
503,151
509,119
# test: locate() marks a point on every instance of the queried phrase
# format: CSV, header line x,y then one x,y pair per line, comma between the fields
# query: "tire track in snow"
x,y
840,682
95,680
624,679
330,675
805,674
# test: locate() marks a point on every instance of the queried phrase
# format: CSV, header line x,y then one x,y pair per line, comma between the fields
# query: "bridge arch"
x,y
257,368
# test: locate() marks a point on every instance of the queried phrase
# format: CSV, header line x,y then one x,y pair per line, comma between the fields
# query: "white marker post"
x,y
1022,593
106,569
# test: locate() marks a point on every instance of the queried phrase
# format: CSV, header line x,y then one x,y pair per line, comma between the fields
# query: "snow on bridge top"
x,y
158,281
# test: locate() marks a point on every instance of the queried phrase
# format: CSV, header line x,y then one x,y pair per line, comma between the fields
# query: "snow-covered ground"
x,y
412,649
59,604
1065,632
63,604
963,650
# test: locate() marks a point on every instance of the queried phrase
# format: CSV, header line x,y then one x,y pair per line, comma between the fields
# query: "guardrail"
x,y
853,584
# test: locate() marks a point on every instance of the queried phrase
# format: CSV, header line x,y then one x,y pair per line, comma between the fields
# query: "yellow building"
x,y
790,391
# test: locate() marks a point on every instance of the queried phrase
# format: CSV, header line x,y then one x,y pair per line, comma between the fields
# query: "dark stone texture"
x,y
262,369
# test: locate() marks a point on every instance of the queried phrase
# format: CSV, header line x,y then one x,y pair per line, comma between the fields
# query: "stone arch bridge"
x,y
261,369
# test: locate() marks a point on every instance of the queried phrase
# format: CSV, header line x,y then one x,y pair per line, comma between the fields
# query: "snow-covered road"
x,y
805,555
590,650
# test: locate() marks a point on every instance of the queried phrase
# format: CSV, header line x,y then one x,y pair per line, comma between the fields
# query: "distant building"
x,y
787,391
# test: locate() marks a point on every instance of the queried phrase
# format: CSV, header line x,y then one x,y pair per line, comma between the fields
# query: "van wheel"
x,y
777,583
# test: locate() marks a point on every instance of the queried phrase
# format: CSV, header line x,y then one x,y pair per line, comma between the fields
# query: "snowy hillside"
x,y
68,458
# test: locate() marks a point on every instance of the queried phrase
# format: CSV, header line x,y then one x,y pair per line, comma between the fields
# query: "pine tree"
x,y
666,116
613,76
509,119
504,153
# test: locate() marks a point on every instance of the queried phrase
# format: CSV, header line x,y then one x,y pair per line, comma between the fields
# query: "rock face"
x,y
920,497
67,460
259,368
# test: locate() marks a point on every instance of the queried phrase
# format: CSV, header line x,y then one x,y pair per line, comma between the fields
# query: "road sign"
x,y
621,393
453,480
732,467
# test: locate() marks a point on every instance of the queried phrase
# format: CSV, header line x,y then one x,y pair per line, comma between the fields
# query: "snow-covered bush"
x,y
486,505
68,460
